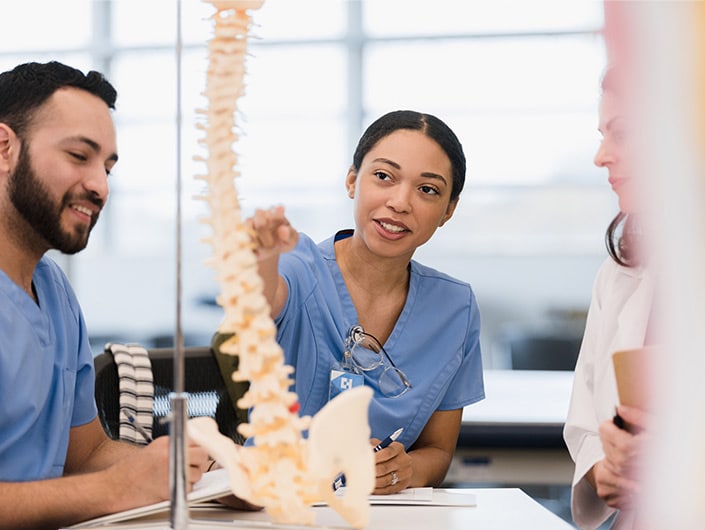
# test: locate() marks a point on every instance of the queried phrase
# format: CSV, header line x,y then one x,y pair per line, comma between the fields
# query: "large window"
x,y
517,80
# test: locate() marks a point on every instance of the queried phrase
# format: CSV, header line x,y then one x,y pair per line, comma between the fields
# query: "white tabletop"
x,y
496,509
522,397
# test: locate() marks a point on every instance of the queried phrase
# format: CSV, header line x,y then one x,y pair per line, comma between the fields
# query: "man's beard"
x,y
32,200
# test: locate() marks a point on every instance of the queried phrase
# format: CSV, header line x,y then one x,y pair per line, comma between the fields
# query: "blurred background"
x,y
518,82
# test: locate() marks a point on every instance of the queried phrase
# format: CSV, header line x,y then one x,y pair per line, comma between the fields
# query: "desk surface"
x,y
497,508
523,408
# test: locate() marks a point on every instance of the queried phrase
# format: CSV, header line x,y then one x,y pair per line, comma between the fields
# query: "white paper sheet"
x,y
421,497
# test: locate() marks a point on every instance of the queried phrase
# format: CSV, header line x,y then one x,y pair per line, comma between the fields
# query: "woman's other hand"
x,y
392,469
617,476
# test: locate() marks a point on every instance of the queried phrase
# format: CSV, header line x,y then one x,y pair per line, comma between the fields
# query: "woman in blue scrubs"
x,y
357,309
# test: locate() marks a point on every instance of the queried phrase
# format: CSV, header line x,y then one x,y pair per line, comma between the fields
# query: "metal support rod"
x,y
178,337
179,400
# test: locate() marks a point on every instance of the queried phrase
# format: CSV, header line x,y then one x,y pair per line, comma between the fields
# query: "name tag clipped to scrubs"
x,y
343,378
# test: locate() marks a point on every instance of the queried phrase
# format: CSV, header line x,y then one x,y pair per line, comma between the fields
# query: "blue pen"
x,y
339,481
388,440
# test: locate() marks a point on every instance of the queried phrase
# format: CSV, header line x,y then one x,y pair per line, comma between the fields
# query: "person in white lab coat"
x,y
606,456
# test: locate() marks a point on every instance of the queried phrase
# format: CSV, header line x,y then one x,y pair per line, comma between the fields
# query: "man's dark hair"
x,y
24,89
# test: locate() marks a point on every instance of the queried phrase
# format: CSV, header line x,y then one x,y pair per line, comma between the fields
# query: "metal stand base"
x,y
178,462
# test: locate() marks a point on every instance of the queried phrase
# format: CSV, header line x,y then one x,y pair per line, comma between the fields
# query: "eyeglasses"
x,y
365,352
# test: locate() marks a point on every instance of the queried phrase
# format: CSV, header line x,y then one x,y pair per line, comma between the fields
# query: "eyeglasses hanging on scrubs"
x,y
366,353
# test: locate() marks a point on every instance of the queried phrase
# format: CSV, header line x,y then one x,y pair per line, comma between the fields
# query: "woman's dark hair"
x,y
24,89
416,121
623,246
621,237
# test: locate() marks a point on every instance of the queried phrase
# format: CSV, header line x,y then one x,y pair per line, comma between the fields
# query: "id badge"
x,y
342,379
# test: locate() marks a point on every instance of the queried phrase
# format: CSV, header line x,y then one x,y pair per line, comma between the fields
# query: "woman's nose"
x,y
400,199
602,155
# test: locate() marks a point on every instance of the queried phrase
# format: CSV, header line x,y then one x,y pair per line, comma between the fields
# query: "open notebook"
x,y
212,485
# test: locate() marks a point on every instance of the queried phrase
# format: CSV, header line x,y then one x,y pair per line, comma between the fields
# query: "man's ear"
x,y
8,145
350,180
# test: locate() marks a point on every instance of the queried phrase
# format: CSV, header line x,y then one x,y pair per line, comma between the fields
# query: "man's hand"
x,y
143,477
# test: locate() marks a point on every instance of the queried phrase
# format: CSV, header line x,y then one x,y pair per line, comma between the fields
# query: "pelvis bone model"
x,y
287,478
282,471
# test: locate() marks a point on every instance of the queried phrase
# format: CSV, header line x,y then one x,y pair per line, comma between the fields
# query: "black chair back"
x,y
208,394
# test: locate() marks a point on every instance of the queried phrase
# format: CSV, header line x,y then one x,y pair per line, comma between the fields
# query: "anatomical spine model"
x,y
282,471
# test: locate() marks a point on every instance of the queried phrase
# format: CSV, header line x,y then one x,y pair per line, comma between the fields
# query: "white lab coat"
x,y
617,320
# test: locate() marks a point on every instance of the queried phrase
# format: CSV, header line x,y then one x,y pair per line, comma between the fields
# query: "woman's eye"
x,y
78,156
381,175
429,190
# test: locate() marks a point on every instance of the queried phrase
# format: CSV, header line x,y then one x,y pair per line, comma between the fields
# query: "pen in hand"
x,y
339,481
388,440
137,426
